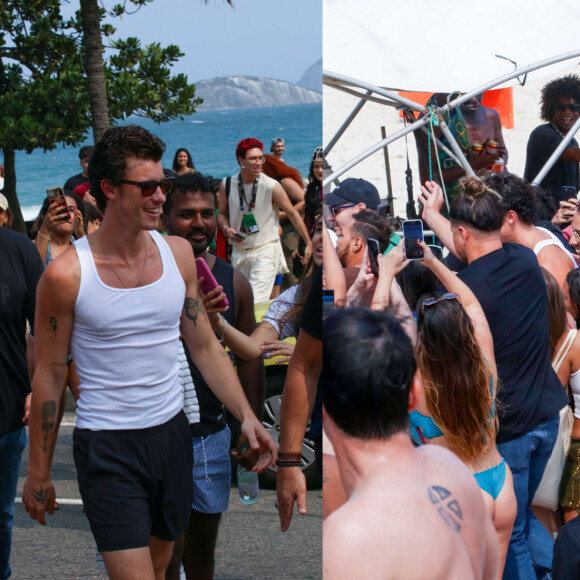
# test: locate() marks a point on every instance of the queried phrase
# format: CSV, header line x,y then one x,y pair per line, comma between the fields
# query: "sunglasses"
x,y
433,301
148,188
335,210
561,107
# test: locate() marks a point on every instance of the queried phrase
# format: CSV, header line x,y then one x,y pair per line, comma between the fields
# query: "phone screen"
x,y
327,302
412,232
374,250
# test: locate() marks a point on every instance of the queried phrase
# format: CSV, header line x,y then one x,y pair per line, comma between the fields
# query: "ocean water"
x,y
210,136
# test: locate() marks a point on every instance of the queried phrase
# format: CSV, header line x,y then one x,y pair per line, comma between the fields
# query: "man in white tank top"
x,y
120,301
251,207
518,226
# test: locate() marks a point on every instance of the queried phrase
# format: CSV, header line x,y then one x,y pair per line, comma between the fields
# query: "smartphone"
x,y
327,302
374,251
56,195
240,236
413,232
209,282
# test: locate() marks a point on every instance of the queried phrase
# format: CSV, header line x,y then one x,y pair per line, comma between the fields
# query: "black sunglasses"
x,y
148,188
336,209
573,108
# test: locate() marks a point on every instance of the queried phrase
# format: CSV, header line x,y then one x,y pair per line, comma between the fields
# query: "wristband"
x,y
286,463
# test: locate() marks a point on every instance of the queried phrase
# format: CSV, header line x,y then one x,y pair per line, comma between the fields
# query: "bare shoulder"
x,y
183,254
64,272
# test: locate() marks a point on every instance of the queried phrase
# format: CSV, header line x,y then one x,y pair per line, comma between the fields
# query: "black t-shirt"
x,y
542,143
511,290
20,269
311,322
73,182
211,411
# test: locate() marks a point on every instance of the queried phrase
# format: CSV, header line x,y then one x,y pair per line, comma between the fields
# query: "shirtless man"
x,y
483,124
121,298
411,513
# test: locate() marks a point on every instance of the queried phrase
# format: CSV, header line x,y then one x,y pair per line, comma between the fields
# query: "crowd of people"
x,y
450,382
108,278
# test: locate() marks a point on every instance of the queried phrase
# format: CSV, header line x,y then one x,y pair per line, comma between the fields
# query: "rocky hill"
x,y
245,92
312,77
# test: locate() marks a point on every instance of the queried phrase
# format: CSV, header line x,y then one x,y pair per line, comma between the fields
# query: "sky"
x,y
276,39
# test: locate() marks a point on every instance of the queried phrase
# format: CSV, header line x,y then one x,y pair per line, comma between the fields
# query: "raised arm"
x,y
56,296
468,300
212,360
333,272
432,199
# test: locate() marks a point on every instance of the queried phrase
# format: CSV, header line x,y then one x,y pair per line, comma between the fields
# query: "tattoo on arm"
x,y
48,413
49,335
325,478
40,496
447,507
193,307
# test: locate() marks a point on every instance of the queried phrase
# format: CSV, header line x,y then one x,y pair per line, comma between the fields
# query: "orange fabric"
x,y
502,100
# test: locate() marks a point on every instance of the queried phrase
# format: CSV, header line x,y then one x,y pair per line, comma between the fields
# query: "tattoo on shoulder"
x,y
49,334
40,496
193,307
447,507
48,413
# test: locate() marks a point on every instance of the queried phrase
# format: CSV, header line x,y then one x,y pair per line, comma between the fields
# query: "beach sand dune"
x,y
365,131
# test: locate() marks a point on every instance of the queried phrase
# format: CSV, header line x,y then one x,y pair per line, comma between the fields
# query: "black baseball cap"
x,y
354,190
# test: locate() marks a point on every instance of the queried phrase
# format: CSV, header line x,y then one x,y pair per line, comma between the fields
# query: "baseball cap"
x,y
354,190
3,202
275,141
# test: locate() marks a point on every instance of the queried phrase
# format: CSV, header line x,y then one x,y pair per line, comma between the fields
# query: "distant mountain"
x,y
312,78
251,92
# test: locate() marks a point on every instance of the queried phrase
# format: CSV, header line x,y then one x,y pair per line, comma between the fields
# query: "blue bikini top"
x,y
423,427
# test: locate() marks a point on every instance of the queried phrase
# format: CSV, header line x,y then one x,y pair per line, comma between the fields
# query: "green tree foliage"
x,y
44,98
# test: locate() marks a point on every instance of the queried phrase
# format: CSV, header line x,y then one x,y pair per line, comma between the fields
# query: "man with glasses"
x,y
560,108
249,207
347,199
121,298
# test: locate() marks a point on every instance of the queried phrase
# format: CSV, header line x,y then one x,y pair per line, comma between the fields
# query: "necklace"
x,y
557,130
115,271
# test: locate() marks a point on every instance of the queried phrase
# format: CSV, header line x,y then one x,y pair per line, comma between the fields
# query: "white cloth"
x,y
190,402
553,241
279,308
125,345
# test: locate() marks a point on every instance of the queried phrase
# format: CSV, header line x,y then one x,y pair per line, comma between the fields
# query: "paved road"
x,y
250,543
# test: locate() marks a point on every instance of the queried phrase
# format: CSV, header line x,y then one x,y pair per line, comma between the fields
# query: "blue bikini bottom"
x,y
492,480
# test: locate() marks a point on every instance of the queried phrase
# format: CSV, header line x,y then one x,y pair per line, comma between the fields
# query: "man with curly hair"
x,y
560,109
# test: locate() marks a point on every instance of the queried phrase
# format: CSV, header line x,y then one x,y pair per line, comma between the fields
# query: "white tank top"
x,y
267,216
554,241
125,344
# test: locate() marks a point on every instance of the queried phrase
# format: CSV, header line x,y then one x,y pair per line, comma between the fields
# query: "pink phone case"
x,y
209,282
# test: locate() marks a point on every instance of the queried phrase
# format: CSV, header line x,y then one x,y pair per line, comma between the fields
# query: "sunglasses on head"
x,y
148,188
336,209
573,108
432,301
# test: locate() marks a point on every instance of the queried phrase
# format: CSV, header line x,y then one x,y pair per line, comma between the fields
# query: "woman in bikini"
x,y
456,359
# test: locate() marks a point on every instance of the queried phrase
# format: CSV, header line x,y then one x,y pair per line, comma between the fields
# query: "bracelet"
x,y
45,237
289,456
285,463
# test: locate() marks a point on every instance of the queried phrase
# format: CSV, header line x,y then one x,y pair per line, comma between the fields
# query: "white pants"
x,y
260,266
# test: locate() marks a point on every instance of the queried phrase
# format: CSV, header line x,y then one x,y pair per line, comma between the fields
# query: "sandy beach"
x,y
365,131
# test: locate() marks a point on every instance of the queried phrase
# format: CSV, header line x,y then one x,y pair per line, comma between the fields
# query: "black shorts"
x,y
135,483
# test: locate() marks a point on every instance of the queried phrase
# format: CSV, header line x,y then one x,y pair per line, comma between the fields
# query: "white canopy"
x,y
445,45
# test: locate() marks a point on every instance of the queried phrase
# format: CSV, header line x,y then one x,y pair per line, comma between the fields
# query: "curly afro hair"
x,y
567,87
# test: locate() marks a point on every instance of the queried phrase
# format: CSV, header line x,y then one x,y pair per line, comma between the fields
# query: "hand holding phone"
x,y
56,196
413,232
209,282
374,251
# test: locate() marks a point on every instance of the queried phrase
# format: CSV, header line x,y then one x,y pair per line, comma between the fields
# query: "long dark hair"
x,y
556,309
573,280
189,159
456,378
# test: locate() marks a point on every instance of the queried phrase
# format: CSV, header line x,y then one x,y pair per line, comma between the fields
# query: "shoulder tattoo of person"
x,y
49,334
193,307
447,507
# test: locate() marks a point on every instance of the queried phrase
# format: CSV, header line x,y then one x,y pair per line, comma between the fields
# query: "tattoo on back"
x,y
40,496
49,335
193,307
447,507
48,412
